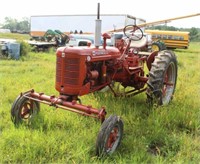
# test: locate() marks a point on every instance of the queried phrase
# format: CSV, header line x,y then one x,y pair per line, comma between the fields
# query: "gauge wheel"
x,y
156,46
109,137
162,78
24,110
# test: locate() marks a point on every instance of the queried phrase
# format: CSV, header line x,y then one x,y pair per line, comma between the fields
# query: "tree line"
x,y
23,26
15,25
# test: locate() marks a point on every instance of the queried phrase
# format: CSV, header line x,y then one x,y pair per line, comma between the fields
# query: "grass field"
x,y
169,134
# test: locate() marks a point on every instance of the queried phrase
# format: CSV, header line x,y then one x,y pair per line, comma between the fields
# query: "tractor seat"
x,y
138,43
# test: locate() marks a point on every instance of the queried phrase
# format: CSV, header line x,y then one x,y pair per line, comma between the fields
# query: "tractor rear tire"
x,y
110,136
162,78
24,110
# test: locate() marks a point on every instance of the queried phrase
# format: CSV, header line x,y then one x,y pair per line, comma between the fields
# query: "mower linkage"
x,y
60,102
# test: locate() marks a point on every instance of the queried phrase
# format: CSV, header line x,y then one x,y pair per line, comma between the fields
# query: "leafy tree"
x,y
24,25
164,27
10,23
17,26
194,34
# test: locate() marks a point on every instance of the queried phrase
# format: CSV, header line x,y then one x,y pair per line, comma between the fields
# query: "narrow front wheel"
x,y
110,136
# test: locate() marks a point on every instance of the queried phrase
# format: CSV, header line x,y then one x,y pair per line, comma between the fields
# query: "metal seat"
x,y
139,43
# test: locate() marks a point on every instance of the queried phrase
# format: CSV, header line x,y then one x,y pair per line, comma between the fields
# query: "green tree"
x,y
164,27
194,34
24,25
10,23
17,26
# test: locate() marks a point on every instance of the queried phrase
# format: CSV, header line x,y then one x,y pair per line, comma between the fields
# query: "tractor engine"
x,y
81,70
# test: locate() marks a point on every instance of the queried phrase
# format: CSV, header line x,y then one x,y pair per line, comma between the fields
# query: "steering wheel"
x,y
133,32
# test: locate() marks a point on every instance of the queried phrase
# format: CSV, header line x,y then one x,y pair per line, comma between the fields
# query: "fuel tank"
x,y
71,68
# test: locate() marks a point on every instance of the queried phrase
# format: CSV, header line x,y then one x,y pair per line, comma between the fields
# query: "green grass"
x,y
16,36
169,134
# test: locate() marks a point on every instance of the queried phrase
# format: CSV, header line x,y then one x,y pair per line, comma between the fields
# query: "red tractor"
x,y
83,70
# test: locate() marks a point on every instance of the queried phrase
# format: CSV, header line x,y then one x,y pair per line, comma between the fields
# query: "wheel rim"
x,y
113,140
155,48
169,83
26,110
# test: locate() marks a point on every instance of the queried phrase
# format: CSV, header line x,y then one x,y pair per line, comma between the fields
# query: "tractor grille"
x,y
67,72
58,70
71,73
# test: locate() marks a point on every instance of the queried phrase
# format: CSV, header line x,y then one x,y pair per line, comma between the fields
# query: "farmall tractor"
x,y
83,70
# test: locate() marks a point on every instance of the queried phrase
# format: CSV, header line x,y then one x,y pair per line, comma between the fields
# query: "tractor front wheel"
x,y
156,46
162,78
110,136
23,110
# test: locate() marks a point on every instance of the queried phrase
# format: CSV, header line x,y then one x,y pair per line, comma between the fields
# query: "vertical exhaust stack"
x,y
98,28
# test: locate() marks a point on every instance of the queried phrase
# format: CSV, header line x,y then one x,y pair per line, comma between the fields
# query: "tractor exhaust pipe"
x,y
98,28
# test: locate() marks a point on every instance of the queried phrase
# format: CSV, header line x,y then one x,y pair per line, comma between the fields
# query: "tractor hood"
x,y
91,53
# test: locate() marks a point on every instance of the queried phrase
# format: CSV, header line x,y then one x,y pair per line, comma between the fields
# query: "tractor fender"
x,y
151,58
